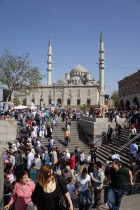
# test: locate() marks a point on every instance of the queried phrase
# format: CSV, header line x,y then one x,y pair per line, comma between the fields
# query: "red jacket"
x,y
71,162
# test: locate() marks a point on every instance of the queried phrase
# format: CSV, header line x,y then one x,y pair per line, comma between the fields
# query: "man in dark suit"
x,y
109,133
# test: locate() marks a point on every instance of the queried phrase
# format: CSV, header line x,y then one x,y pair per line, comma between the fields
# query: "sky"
x,y
75,27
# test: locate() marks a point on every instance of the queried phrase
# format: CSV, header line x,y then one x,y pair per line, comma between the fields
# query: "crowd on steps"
x,y
48,178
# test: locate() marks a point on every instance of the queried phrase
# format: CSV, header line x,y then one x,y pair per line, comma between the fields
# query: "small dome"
x,y
89,84
61,81
79,68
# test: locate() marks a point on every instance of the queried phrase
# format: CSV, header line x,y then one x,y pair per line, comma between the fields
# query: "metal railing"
x,y
89,141
126,121
128,143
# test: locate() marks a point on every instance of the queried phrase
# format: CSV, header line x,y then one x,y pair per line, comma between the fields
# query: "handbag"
x,y
30,206
62,201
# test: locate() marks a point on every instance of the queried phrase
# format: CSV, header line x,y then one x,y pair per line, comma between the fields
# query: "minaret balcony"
x,y
49,62
101,51
101,59
48,69
49,54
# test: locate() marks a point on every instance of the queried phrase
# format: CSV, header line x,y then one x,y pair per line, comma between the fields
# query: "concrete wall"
x,y
96,130
1,176
8,131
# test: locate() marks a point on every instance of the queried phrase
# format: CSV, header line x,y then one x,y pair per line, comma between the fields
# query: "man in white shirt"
x,y
30,158
67,155
83,182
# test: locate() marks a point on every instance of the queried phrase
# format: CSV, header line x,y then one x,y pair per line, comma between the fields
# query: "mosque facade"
x,y
76,89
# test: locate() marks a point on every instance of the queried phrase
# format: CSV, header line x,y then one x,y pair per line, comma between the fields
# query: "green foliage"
x,y
115,97
16,101
17,74
84,107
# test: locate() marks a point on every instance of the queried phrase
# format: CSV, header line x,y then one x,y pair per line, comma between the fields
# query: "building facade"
x,y
76,89
129,91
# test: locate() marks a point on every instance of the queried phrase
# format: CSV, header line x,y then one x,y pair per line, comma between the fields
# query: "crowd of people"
x,y
45,177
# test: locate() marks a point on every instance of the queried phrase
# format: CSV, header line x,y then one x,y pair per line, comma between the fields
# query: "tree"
x,y
83,107
115,97
17,74
16,101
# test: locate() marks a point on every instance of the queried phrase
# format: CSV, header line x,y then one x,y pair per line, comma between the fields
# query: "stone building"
x,y
129,91
76,89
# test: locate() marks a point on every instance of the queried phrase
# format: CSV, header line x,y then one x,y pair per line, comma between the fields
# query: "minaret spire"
x,y
49,62
101,71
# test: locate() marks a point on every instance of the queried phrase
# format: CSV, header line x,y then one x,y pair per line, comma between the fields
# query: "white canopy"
x,y
20,107
33,107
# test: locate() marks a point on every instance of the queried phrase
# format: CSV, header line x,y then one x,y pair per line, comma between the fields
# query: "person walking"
x,y
109,133
67,136
97,178
82,185
22,192
133,149
46,195
117,176
93,150
82,158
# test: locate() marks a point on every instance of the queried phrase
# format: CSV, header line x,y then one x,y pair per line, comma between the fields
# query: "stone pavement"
x,y
131,202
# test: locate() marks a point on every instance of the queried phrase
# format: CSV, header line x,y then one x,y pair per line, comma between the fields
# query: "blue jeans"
x,y
66,141
81,195
114,198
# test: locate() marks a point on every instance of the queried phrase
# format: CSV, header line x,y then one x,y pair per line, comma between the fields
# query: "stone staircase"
x,y
76,135
78,138
105,150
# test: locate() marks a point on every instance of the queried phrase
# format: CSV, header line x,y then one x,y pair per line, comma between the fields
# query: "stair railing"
x,y
89,141
128,143
126,121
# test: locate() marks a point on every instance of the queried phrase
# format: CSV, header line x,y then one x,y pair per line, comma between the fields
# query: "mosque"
x,y
76,89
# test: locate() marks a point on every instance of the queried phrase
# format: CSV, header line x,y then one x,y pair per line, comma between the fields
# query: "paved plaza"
x,y
131,202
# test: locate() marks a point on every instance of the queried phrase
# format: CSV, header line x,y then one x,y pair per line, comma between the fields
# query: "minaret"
x,y
101,72
49,62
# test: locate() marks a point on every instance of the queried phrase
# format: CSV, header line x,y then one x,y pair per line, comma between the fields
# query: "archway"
x,y
136,102
121,104
59,101
127,105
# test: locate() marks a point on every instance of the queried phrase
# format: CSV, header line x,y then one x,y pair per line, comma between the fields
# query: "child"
x,y
70,187
10,176
33,173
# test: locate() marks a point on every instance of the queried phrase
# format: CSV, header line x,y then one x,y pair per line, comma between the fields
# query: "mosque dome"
x,y
79,68
62,81
76,78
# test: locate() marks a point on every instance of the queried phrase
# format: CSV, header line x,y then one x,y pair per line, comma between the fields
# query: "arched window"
x,y
68,102
88,101
78,102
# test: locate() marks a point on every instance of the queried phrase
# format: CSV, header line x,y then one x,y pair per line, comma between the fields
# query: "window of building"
x,y
88,101
68,102
33,100
78,101
50,100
